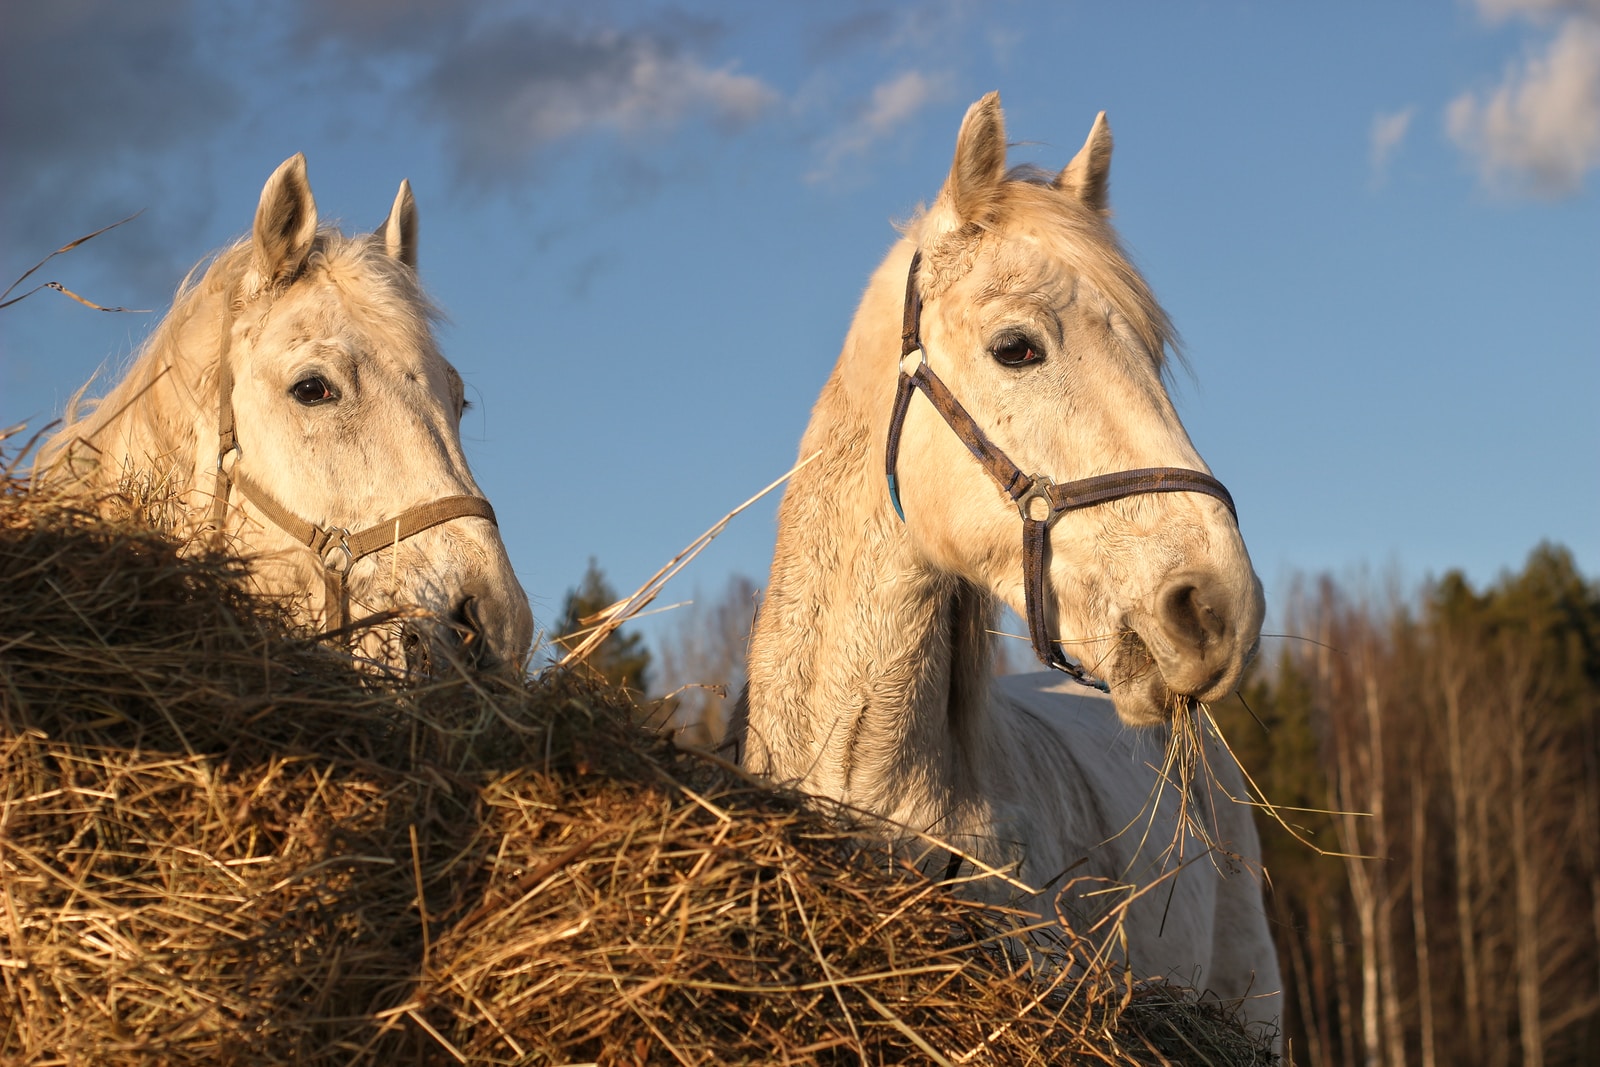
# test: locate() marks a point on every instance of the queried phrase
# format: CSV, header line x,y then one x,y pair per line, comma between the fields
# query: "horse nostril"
x,y
1188,618
414,647
467,624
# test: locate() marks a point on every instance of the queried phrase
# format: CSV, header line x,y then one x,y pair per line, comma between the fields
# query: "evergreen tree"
x,y
621,658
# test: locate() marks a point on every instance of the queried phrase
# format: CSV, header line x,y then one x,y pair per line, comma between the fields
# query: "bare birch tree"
x,y
1463,925
702,659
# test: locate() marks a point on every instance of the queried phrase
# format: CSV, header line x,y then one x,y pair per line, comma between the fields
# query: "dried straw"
x,y
220,843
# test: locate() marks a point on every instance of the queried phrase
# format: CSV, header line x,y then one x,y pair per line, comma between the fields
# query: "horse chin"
x,y
1138,689
1143,705
1141,691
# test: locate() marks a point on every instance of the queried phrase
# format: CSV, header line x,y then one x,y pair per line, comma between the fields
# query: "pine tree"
x,y
621,658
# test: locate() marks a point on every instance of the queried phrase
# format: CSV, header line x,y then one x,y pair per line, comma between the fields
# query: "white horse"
x,y
1038,348
295,404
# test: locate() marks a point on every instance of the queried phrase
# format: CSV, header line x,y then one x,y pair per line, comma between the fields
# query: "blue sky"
x,y
1376,226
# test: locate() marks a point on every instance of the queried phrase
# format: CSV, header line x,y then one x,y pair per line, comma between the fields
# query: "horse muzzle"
x,y
479,632
1193,643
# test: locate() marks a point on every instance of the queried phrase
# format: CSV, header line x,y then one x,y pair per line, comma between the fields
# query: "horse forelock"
x,y
374,281
374,292
1069,244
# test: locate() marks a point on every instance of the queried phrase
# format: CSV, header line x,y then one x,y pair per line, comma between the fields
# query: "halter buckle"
x,y
331,548
1040,489
227,459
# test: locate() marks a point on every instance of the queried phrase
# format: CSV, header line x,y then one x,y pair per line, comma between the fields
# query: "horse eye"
x,y
311,391
1015,350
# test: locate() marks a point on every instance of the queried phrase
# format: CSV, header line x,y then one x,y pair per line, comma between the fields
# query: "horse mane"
x,y
1028,205
173,373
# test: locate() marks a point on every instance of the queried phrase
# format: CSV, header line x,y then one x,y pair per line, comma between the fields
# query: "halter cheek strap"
x,y
334,546
227,439
1040,501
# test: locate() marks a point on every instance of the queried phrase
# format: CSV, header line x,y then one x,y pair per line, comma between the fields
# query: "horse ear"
x,y
979,166
1088,176
399,230
286,222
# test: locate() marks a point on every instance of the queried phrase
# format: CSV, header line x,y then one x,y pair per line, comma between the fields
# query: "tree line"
x,y
1443,753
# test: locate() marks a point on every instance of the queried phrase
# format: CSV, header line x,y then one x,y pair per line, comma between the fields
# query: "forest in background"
x,y
1434,757
1443,749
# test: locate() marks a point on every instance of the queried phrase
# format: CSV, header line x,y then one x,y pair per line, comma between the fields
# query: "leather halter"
x,y
334,546
1040,501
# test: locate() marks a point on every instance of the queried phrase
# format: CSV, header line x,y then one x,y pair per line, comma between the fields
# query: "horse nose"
x,y
490,629
1209,626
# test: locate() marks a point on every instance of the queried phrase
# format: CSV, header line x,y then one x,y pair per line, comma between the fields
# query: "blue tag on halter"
x,y
894,498
1060,661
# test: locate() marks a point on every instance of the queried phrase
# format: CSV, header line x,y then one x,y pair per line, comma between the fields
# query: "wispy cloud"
x,y
1538,10
508,92
890,105
503,87
1388,132
1539,129
863,26
379,26
92,95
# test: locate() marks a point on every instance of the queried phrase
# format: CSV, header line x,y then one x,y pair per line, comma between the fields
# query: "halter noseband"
x,y
334,546
1040,501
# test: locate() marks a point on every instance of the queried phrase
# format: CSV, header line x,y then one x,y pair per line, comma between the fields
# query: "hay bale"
x,y
220,843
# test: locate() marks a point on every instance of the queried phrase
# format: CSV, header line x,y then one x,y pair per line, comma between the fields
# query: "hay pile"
x,y
221,844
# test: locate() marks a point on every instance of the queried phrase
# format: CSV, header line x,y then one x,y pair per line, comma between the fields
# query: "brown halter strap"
x,y
1040,501
334,546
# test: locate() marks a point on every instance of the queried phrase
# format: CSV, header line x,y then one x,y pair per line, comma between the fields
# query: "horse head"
x,y
297,393
1045,430
347,416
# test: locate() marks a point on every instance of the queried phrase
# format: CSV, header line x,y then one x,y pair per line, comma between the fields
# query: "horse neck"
x,y
869,672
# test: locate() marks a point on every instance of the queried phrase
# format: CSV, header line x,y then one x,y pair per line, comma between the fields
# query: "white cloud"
x,y
1388,131
891,104
895,101
645,90
1540,128
1538,10
508,92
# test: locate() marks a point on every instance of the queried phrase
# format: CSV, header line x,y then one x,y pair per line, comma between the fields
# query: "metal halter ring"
x,y
1042,490
329,559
